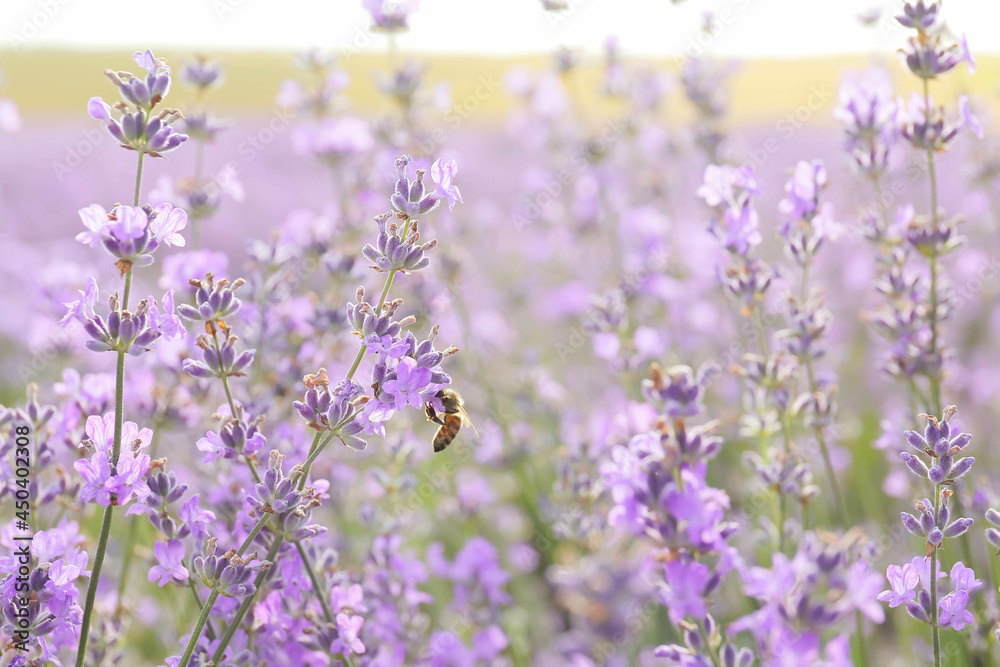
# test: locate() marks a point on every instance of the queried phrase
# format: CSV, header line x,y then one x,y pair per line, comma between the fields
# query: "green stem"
x,y
758,323
357,362
227,636
880,200
307,563
209,630
127,292
781,522
862,649
206,609
305,468
995,573
378,309
935,630
995,577
831,475
827,464
313,454
105,535
708,645
129,552
199,154
225,378
138,180
95,575
935,380
116,447
259,526
253,470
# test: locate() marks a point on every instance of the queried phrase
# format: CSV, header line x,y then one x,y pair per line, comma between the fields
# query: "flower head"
x,y
132,233
348,629
391,15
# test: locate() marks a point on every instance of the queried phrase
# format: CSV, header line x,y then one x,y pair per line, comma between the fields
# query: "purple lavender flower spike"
x,y
202,74
349,629
392,252
138,128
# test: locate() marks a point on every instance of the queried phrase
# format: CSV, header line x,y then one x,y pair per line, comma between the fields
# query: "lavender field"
x,y
590,359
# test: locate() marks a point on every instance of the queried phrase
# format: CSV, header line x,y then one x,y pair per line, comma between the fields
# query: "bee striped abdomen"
x,y
446,434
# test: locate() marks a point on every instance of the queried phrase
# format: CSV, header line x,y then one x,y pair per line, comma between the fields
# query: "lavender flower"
x,y
410,197
108,483
868,114
235,437
678,391
392,252
219,360
202,74
933,522
139,129
152,136
391,15
925,54
335,411
123,330
131,233
213,300
169,563
229,574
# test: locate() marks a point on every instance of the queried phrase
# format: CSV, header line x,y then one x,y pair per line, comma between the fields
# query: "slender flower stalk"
x,y
808,226
131,236
105,534
227,636
927,57
935,378
916,584
206,609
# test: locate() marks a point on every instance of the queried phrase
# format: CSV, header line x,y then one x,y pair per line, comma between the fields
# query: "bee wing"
x,y
467,420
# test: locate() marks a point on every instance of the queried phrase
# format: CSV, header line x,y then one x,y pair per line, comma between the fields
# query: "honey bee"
x,y
454,416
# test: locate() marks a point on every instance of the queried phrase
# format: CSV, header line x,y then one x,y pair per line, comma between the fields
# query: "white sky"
x,y
786,28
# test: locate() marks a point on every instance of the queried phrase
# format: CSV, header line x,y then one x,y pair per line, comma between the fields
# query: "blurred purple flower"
x,y
903,581
684,594
348,627
443,174
390,15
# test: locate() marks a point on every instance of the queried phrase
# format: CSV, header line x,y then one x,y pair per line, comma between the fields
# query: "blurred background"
x,y
784,54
